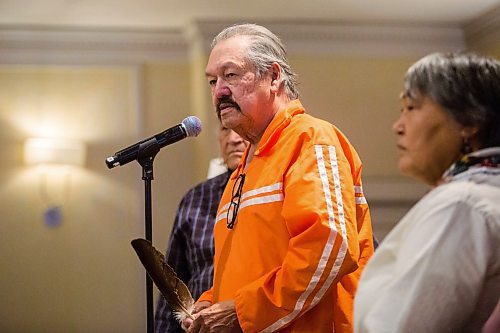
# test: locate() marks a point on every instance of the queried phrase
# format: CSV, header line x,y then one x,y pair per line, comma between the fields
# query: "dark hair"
x,y
466,85
265,48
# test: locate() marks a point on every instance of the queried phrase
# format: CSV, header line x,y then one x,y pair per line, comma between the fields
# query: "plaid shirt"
x,y
191,246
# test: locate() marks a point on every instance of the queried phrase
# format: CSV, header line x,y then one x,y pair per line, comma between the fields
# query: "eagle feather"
x,y
176,293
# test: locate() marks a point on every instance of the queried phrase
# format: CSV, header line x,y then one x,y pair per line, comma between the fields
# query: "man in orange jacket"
x,y
293,228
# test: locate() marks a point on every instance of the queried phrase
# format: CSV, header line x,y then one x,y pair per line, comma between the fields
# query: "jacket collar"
x,y
281,120
276,126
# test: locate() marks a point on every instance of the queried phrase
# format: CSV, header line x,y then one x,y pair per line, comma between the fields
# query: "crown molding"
x,y
73,45
79,45
353,39
484,30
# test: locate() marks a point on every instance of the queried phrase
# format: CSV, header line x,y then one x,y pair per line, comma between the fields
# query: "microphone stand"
x,y
145,156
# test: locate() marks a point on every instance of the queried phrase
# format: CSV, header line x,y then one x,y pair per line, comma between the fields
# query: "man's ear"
x,y
276,78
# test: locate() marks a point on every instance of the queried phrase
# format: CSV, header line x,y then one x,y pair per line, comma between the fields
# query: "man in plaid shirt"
x,y
191,246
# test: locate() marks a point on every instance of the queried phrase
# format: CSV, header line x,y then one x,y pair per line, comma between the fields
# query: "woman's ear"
x,y
469,137
469,132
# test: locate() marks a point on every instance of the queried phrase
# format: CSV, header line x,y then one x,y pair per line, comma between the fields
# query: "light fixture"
x,y
54,183
54,151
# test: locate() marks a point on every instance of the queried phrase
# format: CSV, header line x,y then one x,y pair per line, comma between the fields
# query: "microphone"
x,y
190,126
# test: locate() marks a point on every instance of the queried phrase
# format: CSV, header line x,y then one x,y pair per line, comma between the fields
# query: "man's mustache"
x,y
225,102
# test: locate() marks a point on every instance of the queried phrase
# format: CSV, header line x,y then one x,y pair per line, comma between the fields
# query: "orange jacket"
x,y
302,233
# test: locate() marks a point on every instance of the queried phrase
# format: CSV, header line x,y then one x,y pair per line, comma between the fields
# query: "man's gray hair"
x,y
265,49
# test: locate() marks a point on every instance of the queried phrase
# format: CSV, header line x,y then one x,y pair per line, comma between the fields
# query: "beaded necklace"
x,y
489,158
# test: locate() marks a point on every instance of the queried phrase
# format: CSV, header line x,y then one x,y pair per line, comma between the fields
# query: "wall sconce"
x,y
54,151
52,154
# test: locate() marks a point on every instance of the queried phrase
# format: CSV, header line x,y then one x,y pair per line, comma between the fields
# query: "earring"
x,y
466,148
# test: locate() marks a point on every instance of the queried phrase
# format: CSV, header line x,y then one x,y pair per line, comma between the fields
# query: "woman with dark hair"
x,y
439,269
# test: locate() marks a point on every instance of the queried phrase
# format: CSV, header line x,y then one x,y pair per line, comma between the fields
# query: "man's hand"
x,y
220,317
197,308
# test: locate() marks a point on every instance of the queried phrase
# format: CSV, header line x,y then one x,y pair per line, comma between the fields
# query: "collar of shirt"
x,y
270,136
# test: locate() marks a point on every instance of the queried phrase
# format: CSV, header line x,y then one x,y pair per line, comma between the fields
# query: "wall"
x,y
78,276
51,276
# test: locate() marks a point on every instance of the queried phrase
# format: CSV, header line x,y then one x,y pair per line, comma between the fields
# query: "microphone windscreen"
x,y
192,125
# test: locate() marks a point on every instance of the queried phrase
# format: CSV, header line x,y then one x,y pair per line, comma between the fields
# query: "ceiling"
x,y
177,14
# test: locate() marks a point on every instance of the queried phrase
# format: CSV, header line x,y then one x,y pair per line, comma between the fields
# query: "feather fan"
x,y
176,293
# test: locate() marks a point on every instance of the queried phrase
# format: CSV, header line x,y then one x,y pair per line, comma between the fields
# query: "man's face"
x,y
242,101
232,147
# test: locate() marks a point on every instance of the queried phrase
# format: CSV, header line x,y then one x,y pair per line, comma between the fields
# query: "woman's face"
x,y
429,140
